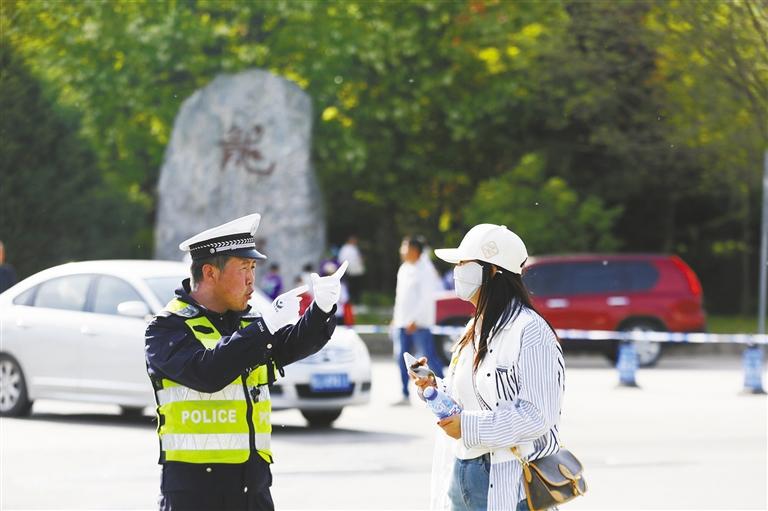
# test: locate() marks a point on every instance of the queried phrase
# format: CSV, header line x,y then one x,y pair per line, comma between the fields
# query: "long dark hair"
x,y
502,296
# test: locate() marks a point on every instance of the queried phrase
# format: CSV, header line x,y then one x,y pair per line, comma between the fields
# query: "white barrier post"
x,y
753,355
627,364
753,370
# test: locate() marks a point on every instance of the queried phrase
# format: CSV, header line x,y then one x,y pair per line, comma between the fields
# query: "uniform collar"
x,y
182,293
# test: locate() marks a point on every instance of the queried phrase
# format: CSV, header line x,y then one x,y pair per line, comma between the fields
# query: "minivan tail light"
x,y
693,281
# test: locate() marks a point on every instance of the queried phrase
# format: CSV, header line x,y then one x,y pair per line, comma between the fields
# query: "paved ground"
x,y
686,440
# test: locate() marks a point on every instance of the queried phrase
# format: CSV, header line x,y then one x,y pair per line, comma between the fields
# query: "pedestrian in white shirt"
x,y
350,252
414,312
507,373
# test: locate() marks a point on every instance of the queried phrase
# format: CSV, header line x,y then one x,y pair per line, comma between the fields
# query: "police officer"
x,y
211,362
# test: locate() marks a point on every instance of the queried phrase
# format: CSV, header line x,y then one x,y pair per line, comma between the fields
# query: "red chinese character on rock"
x,y
242,147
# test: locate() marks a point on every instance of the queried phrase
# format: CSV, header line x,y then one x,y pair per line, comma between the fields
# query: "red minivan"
x,y
607,292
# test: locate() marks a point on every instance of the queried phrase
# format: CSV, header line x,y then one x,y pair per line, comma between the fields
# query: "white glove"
x,y
327,290
284,310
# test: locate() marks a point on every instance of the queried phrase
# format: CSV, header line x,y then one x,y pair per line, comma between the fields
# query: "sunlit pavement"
x,y
686,439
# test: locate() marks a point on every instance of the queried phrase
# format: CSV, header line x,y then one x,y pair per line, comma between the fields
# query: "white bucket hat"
x,y
491,243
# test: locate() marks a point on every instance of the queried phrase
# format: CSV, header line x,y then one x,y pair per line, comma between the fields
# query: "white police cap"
x,y
235,238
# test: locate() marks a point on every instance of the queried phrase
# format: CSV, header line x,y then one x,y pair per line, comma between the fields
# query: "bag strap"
x,y
516,453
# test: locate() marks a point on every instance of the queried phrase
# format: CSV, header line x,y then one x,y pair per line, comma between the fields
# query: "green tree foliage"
x,y
545,212
394,123
712,72
656,108
613,138
54,205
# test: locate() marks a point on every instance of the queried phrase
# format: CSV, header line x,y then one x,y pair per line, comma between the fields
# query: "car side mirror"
x,y
133,309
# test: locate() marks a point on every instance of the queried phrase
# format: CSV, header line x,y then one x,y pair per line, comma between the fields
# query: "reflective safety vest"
x,y
219,427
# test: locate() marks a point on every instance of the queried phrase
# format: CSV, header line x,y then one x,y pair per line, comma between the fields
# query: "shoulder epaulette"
x,y
179,308
190,311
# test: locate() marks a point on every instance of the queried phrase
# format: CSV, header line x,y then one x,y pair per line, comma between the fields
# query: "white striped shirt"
x,y
522,381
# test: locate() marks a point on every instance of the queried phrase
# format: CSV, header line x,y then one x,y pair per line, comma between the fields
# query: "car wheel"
x,y
14,400
648,352
321,418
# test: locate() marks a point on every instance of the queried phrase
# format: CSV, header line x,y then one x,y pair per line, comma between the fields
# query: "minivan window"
x,y
590,277
641,275
66,293
595,277
110,292
544,280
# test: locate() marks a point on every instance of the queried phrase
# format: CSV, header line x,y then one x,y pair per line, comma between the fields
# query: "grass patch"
x,y
732,324
371,318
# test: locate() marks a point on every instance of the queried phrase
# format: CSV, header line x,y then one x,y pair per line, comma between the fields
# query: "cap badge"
x,y
490,249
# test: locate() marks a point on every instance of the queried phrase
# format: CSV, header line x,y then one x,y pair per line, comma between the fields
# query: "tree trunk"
x,y
669,230
746,267
387,245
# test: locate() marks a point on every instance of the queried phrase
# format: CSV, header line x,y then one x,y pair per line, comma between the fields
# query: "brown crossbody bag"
x,y
552,480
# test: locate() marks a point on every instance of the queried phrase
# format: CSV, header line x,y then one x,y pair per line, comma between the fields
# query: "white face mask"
x,y
468,277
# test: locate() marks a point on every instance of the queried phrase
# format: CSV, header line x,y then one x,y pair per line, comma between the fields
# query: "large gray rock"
x,y
242,145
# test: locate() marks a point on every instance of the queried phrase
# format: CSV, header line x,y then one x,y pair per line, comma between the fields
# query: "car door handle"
x,y
617,301
21,324
86,330
557,303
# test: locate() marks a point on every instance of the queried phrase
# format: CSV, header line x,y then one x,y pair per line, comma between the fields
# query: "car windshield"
x,y
164,287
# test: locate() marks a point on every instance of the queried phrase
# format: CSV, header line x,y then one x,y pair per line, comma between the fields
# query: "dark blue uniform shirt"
x,y
173,352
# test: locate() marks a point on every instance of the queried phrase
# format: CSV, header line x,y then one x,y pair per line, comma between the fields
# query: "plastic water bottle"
x,y
440,403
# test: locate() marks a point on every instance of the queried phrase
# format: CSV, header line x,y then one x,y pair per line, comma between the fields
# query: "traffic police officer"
x,y
211,363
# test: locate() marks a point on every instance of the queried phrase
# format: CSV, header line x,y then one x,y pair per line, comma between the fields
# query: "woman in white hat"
x,y
506,372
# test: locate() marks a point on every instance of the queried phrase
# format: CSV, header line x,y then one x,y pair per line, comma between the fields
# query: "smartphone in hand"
x,y
413,365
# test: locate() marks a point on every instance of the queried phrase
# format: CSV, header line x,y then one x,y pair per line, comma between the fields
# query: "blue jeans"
x,y
421,340
468,490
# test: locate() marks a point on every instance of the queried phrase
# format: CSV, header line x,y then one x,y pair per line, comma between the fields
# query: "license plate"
x,y
329,382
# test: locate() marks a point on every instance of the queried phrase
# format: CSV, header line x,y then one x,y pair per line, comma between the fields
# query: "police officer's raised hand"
x,y
285,309
327,290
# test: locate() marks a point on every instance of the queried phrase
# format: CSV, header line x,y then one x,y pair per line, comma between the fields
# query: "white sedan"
x,y
76,332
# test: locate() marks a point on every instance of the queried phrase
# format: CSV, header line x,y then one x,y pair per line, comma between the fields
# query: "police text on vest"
x,y
208,416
